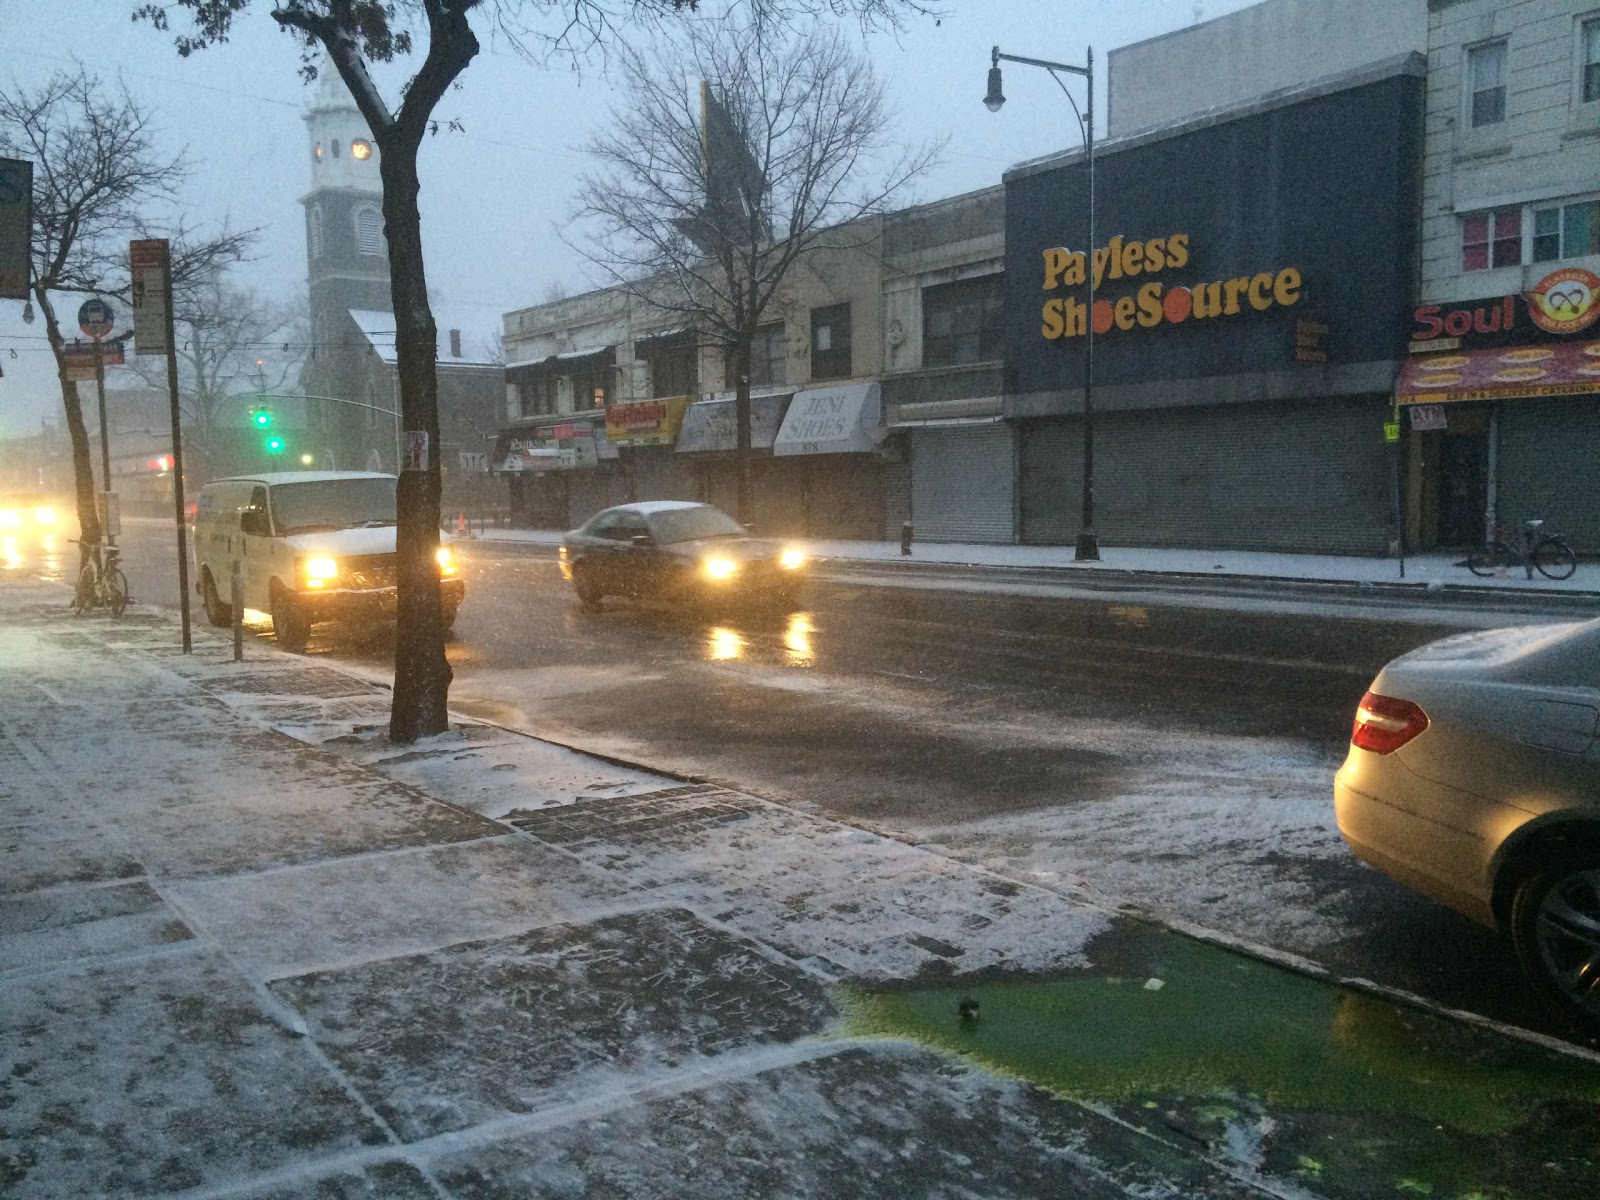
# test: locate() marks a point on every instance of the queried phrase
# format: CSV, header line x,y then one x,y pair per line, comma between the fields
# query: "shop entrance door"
x,y
1449,481
1463,489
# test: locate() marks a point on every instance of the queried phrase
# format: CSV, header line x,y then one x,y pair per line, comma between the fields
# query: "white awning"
x,y
847,419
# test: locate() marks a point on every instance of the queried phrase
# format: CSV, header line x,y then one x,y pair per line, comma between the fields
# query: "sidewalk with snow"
x,y
250,948
1431,570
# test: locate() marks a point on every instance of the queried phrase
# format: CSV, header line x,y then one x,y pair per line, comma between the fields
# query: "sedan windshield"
x,y
692,524
333,504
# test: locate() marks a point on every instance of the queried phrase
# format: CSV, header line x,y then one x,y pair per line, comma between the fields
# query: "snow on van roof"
x,y
271,478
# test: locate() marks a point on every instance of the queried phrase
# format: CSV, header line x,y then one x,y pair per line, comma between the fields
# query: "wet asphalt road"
x,y
904,707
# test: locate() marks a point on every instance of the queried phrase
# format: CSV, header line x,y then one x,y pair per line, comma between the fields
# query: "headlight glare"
x,y
720,568
10,518
320,569
45,516
791,559
446,559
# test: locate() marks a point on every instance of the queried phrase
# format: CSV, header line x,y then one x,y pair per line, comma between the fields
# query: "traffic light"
x,y
274,444
261,418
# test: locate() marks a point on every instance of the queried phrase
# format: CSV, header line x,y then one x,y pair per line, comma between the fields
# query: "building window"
x,y
316,231
536,397
369,230
360,148
670,359
1566,230
830,342
768,356
1589,60
1486,80
591,388
1491,239
963,322
335,145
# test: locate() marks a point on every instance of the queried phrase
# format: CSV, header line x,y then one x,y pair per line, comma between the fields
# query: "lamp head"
x,y
994,99
27,312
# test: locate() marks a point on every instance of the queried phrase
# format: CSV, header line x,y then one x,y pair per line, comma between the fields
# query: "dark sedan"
x,y
677,550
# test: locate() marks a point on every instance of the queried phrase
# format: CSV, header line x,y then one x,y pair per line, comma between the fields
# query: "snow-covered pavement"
x,y
250,948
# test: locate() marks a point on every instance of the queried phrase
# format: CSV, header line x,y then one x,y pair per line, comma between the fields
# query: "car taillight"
x,y
1384,724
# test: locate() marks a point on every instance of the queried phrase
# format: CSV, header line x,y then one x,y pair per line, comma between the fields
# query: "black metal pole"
x,y
1088,548
177,452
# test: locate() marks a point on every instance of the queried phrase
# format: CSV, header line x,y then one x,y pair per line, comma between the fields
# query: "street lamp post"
x,y
1088,547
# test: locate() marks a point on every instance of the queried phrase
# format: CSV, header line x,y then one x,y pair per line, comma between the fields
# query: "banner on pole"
x,y
16,227
147,262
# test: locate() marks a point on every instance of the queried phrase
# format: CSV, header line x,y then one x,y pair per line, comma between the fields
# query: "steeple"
x,y
343,154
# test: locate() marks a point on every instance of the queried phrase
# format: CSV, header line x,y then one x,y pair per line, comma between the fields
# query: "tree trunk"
x,y
421,672
77,434
741,421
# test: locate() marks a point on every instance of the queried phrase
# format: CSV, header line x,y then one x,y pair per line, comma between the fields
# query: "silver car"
x,y
1474,778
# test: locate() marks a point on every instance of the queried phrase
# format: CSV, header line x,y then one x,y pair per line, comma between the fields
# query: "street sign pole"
x,y
150,260
105,441
177,451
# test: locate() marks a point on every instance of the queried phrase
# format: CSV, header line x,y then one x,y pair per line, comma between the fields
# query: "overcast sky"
x,y
492,195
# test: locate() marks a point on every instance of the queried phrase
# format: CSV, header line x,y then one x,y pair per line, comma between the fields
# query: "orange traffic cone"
x,y
461,525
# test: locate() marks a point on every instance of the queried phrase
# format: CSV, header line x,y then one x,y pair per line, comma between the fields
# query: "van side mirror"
x,y
253,520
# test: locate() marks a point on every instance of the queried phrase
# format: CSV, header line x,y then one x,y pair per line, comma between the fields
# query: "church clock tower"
x,y
347,267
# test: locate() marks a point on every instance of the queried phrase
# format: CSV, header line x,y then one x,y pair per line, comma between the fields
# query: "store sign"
x,y
565,446
1426,417
1154,303
646,422
1563,303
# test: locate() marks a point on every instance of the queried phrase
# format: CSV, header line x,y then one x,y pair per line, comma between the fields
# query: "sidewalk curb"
x,y
1154,578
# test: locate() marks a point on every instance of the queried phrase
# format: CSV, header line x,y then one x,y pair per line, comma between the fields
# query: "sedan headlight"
x,y
792,560
447,560
320,570
720,568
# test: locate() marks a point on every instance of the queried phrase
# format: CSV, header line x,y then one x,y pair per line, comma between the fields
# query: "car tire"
x,y
1555,930
589,592
217,613
447,618
289,623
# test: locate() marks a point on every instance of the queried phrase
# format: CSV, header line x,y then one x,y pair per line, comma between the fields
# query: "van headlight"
x,y
320,570
447,560
791,560
10,518
720,568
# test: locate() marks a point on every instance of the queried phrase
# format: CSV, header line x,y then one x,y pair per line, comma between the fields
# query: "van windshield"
x,y
332,504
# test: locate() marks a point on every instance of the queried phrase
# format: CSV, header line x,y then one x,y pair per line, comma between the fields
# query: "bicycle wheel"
x,y
1491,559
83,598
116,585
1554,558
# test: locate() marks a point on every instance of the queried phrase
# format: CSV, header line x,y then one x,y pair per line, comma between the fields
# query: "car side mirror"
x,y
642,539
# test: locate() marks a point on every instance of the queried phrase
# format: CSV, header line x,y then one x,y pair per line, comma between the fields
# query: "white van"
x,y
311,545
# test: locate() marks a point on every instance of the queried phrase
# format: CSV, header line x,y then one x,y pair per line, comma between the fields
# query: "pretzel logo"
x,y
1565,301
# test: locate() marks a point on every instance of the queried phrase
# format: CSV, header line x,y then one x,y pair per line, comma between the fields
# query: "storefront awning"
x,y
555,446
709,426
1501,372
847,419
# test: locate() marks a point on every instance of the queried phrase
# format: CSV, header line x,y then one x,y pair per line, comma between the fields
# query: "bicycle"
x,y
1548,552
101,583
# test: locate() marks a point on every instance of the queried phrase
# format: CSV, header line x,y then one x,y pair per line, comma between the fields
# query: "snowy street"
x,y
248,948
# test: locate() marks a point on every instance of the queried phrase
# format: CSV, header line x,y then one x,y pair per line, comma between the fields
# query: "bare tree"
x,y
705,201
231,341
350,33
97,178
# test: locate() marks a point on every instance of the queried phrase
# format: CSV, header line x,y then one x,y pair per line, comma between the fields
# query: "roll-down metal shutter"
x,y
1282,475
963,484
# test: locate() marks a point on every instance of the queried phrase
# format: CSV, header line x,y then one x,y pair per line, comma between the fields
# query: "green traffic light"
x,y
274,445
261,416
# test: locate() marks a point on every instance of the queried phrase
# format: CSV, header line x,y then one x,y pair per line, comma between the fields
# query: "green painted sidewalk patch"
x,y
1300,1081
